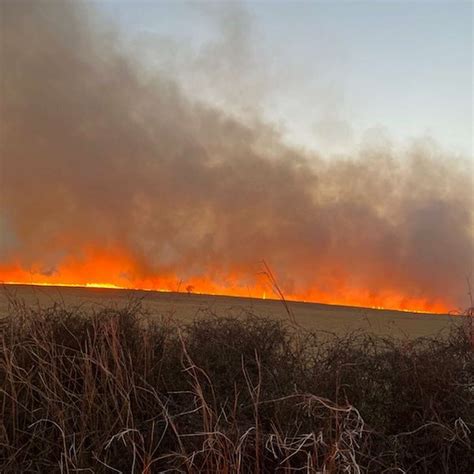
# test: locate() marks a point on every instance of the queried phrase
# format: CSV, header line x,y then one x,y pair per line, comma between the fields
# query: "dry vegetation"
x,y
115,392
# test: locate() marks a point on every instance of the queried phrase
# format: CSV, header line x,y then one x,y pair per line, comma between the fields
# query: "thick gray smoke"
x,y
95,153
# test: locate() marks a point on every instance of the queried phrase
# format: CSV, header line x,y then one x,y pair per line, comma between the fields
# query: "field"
x,y
185,307
103,381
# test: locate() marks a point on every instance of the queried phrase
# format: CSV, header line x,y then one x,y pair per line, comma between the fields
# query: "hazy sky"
x,y
325,72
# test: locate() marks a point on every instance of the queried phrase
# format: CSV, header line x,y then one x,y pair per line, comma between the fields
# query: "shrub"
x,y
122,391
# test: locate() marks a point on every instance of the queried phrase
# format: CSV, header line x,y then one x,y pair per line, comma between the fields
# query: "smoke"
x,y
99,158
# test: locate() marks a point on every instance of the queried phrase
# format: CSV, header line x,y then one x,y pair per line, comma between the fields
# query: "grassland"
x,y
186,307
119,388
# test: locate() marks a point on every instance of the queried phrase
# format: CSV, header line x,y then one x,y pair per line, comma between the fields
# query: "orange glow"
x,y
114,269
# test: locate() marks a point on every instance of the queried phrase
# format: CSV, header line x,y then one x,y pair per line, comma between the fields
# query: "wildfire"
x,y
115,270
113,180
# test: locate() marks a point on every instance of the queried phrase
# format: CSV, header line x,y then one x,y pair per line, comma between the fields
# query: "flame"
x,y
117,270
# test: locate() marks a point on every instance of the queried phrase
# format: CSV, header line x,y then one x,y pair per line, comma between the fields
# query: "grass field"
x,y
185,307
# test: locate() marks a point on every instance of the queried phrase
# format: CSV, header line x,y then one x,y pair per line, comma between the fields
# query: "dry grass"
x,y
114,392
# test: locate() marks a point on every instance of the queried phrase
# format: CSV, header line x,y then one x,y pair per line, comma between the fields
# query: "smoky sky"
x,y
97,153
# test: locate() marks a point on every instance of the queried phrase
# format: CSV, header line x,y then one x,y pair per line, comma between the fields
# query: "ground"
x,y
184,306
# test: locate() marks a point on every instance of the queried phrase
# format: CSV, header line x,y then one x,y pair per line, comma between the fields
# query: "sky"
x,y
326,72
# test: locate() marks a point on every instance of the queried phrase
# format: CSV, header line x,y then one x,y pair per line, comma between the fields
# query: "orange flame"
x,y
114,269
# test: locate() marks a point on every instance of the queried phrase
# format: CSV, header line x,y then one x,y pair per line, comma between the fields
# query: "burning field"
x,y
207,267
114,174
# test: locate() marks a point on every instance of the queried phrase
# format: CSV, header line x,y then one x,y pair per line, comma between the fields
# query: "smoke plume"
x,y
113,175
